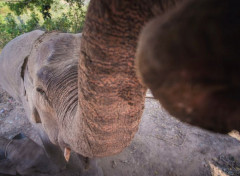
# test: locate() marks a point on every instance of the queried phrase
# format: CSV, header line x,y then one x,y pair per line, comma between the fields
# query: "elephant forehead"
x,y
53,54
57,47
46,50
54,73
45,73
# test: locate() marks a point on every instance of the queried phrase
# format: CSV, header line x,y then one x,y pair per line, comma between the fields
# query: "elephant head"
x,y
50,81
28,66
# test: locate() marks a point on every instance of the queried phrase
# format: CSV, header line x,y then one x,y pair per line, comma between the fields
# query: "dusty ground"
x,y
162,146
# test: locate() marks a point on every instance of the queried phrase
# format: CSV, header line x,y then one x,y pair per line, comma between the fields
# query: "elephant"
x,y
85,92
27,63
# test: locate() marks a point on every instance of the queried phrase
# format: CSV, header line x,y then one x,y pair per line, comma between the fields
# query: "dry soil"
x,y
163,145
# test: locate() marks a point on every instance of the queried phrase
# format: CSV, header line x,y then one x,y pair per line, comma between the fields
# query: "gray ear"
x,y
13,60
29,107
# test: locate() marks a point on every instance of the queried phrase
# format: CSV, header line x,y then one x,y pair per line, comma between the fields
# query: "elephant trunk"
x,y
110,97
190,61
111,100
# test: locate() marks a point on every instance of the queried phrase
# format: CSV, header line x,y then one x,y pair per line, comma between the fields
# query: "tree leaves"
x,y
43,6
64,16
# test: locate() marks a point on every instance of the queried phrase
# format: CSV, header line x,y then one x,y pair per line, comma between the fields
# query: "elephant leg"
x,y
87,166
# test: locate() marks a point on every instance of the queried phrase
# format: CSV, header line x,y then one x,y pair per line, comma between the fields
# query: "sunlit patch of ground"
x,y
216,171
235,134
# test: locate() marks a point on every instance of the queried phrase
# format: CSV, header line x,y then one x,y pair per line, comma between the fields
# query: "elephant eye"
x,y
43,94
41,91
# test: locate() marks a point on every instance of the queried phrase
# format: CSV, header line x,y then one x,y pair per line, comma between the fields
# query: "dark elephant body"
x,y
25,157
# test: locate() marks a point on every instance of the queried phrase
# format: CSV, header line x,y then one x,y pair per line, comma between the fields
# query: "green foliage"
x,y
60,24
5,36
76,14
20,7
10,28
32,23
28,15
42,6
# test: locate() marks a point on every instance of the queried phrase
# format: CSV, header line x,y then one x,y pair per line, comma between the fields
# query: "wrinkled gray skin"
x,y
27,62
22,60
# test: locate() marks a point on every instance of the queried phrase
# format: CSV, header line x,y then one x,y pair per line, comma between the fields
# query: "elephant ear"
x,y
13,60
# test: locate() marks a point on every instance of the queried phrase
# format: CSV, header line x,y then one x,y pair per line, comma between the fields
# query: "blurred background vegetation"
x,y
21,16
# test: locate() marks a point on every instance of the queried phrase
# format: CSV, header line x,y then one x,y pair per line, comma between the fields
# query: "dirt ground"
x,y
163,145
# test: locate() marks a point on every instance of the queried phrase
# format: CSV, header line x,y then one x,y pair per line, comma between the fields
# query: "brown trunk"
x,y
111,99
190,61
